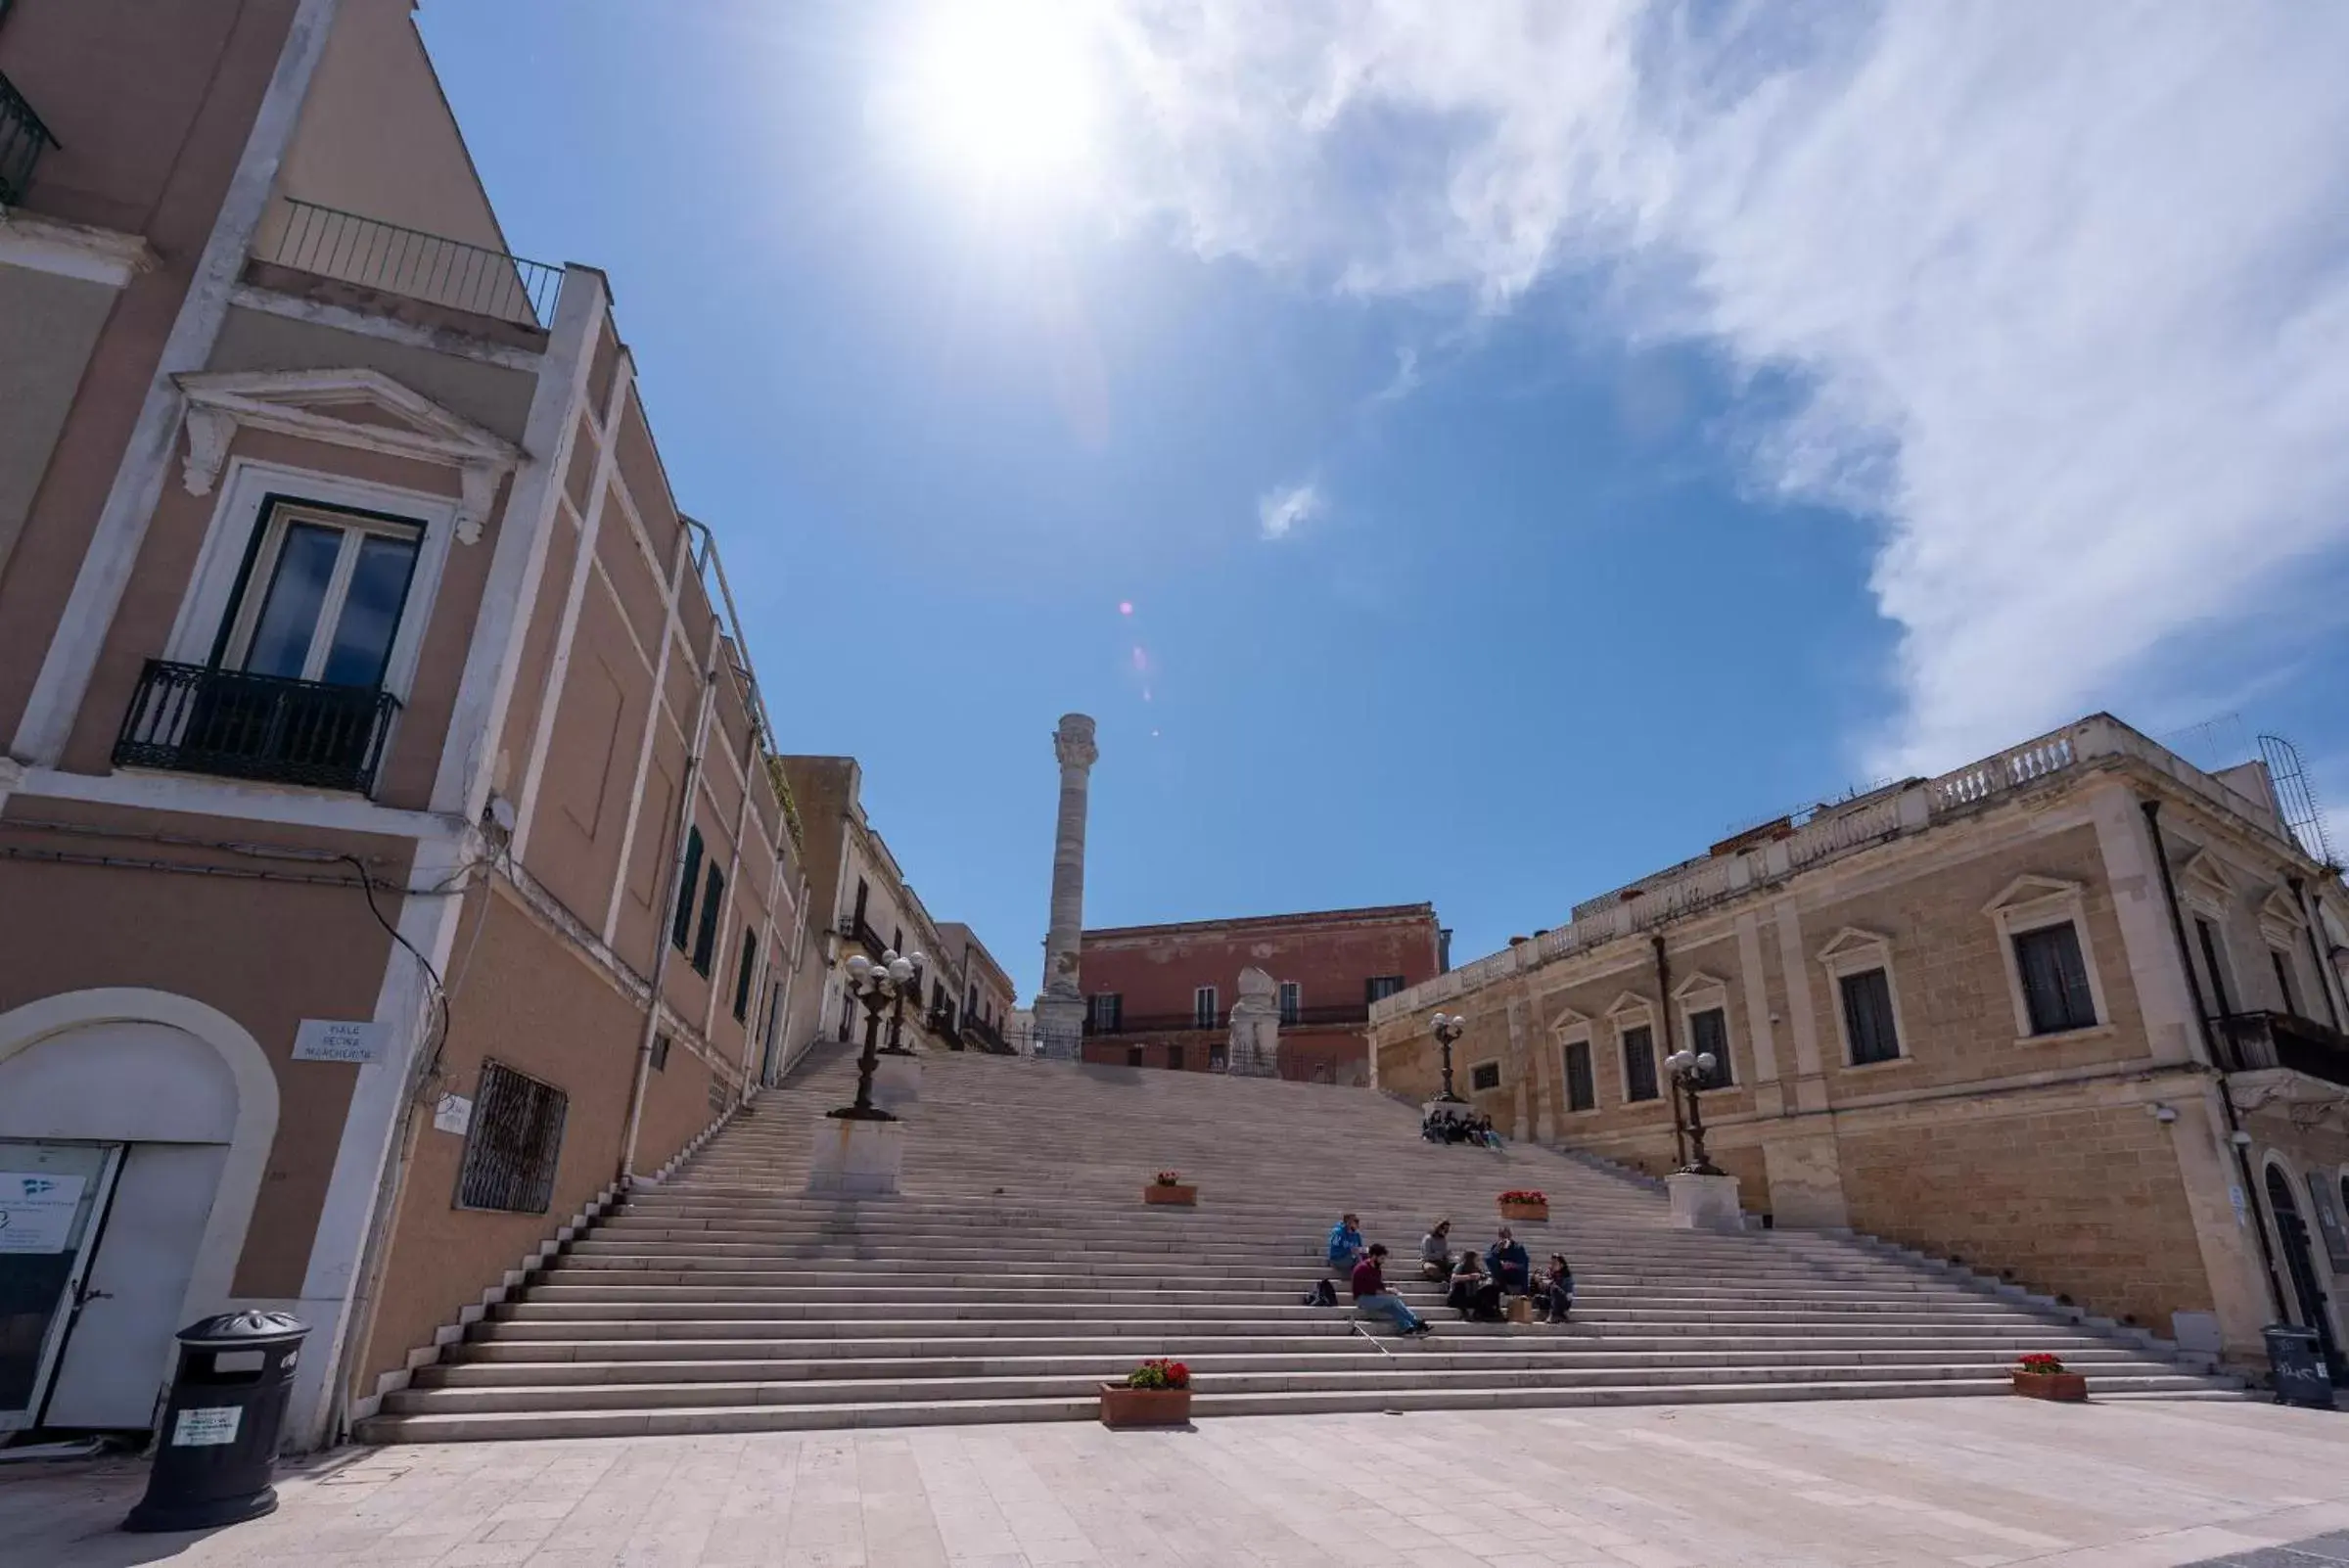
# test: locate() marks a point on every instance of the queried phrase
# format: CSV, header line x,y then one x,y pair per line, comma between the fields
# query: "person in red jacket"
x,y
1372,1295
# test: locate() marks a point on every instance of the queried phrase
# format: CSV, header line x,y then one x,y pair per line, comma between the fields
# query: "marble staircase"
x,y
1018,1269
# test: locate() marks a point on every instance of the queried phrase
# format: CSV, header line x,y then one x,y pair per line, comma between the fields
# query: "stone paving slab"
x,y
1971,1484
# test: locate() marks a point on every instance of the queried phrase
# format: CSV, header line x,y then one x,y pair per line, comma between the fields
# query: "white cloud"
x,y
2065,288
1404,381
1277,510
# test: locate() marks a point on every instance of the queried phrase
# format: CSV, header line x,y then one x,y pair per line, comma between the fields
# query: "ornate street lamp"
x,y
1448,1026
1689,1070
878,986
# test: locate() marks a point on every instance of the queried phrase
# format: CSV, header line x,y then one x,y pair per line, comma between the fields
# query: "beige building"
x,y
2072,1014
987,993
852,873
387,868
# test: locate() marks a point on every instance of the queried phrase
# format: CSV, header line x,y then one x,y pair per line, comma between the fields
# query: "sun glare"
x,y
1003,91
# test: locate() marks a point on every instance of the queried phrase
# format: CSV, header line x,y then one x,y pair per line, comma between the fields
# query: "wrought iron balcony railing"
x,y
1124,1023
2251,1042
472,278
23,141
1332,1013
854,928
982,1035
230,725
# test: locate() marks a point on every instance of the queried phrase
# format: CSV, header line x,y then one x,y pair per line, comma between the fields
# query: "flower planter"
x,y
1525,1210
1144,1407
2065,1386
1182,1194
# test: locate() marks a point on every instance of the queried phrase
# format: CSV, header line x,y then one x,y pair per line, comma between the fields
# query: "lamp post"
x,y
1448,1026
877,985
1688,1069
912,981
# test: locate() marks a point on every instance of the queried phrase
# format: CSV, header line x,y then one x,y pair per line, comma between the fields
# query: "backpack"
x,y
1323,1294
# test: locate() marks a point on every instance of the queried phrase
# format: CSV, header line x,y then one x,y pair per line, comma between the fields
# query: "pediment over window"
x,y
356,407
1699,984
2028,890
1851,941
2280,918
1630,1002
1568,1020
2203,879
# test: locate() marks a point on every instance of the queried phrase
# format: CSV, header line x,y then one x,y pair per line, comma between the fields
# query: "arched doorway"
x,y
134,1126
2299,1260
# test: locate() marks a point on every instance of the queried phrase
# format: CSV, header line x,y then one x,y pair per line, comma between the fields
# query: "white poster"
x,y
36,1209
335,1040
207,1427
454,1114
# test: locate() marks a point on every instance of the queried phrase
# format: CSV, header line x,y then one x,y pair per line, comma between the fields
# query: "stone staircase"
x,y
1018,1268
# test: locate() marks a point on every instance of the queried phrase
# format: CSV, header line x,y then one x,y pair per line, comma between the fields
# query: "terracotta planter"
x,y
1525,1210
1144,1407
2065,1386
1182,1194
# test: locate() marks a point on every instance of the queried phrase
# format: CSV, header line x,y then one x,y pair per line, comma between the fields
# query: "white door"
x,y
51,1196
120,1351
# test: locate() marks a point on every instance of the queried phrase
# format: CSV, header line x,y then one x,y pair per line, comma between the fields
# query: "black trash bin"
x,y
219,1444
2297,1357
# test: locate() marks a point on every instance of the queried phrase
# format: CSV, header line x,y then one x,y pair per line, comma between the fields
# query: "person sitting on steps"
x,y
1558,1289
1372,1295
1346,1242
1475,1294
1510,1262
1434,1253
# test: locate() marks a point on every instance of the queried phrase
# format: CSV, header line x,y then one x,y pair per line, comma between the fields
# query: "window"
x,y
1175,1055
2283,980
321,597
1582,1092
863,894
680,927
896,938
2213,969
1868,1031
514,1141
660,1056
2054,980
1219,1058
2328,1222
1639,1064
1380,987
1203,1007
1104,1010
847,1014
1709,1031
745,973
705,940
1483,1076
1291,1001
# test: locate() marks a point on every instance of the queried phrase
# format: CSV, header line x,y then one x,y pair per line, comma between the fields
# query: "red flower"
x,y
2039,1364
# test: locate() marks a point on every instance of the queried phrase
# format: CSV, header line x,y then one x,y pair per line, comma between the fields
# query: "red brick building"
x,y
1162,995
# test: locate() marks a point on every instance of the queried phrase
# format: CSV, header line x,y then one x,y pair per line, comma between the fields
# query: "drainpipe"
x,y
676,880
2243,1158
1680,1123
2299,887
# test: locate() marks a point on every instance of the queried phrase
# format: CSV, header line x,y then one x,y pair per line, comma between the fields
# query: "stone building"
x,y
2072,1013
1161,995
987,993
852,873
386,866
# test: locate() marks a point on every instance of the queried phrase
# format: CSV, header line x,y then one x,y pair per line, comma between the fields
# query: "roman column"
x,y
1060,1006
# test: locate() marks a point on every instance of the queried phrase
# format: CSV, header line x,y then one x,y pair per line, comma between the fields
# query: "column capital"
x,y
1073,742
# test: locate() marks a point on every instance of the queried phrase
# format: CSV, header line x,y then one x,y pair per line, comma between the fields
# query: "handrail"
x,y
348,248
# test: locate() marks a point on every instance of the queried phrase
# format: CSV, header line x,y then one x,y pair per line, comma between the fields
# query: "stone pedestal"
x,y
1060,1028
896,1080
1704,1202
857,1158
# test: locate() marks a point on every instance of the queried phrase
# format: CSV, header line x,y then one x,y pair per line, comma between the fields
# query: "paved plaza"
x,y
1966,1482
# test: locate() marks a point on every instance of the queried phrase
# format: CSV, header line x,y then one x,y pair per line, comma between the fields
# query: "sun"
x,y
1002,92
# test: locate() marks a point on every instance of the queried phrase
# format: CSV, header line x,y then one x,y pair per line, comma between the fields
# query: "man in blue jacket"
x,y
1510,1262
1345,1243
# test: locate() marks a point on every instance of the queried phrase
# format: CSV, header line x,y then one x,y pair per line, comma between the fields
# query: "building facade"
x,y
873,909
388,865
2072,1014
987,993
1161,995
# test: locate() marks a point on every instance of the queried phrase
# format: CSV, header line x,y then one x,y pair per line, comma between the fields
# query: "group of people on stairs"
x,y
1476,1286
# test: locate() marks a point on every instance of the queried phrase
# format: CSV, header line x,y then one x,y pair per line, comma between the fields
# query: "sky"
x,y
1474,454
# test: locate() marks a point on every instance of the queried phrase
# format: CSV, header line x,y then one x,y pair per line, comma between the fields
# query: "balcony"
x,y
1124,1023
1334,1013
979,1034
23,141
2250,1043
855,929
304,236
189,718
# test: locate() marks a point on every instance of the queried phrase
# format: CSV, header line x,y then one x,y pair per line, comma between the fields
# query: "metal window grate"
x,y
1582,1093
514,1145
1483,1076
1709,1032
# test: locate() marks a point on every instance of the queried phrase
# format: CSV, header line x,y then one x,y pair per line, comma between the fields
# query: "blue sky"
x,y
1527,447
